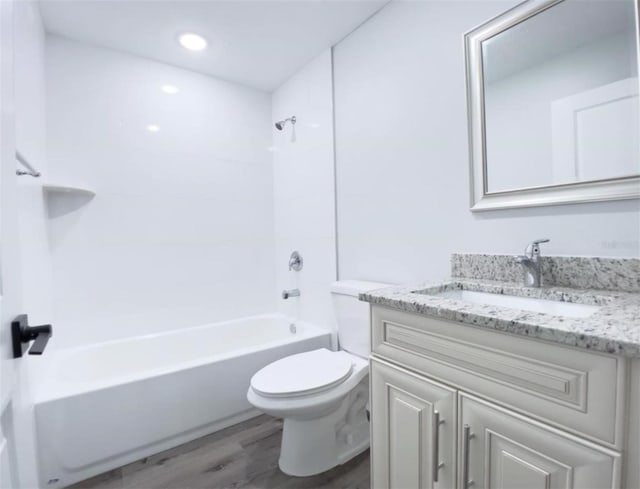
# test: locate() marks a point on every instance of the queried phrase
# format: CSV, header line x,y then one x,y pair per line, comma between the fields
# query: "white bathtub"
x,y
106,405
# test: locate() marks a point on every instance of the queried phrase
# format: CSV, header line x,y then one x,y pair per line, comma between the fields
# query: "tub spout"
x,y
286,294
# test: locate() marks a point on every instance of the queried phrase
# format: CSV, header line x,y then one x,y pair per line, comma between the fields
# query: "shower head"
x,y
280,124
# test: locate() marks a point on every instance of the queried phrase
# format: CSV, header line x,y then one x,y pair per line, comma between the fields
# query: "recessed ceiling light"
x,y
153,128
170,89
193,42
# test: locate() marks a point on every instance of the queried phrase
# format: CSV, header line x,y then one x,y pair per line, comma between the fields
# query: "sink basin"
x,y
545,306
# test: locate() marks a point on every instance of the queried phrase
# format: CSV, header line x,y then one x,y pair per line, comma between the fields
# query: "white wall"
x,y
304,191
402,161
180,231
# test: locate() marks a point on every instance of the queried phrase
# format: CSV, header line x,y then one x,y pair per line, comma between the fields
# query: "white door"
x,y
502,450
413,430
10,301
595,133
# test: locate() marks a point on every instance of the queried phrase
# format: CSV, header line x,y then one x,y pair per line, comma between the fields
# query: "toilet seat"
x,y
303,374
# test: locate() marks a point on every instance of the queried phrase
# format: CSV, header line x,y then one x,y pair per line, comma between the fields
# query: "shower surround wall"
x,y
304,191
180,231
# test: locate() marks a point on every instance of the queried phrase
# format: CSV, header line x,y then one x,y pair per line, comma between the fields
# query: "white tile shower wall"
x,y
29,72
402,161
180,231
304,191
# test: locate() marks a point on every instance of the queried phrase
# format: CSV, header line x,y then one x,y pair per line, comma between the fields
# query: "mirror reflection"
x,y
561,97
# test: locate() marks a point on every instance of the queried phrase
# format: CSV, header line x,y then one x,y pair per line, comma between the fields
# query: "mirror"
x,y
554,114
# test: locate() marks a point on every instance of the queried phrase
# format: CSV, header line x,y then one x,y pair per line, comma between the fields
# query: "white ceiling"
x,y
259,43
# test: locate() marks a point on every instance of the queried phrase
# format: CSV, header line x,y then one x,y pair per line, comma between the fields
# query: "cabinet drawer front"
x,y
406,411
505,451
577,390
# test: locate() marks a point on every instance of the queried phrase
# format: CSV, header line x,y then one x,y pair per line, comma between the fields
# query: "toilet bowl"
x,y
325,422
322,395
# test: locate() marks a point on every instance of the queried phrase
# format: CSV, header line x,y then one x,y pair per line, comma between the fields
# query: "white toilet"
x,y
322,395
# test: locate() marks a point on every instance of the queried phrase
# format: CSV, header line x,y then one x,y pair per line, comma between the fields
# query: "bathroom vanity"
x,y
469,391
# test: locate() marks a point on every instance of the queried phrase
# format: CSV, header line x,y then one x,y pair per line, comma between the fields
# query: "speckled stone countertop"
x,y
580,272
613,328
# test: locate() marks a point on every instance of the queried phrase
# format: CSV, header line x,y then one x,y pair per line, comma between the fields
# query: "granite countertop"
x,y
613,328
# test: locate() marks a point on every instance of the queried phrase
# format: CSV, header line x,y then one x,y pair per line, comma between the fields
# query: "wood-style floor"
x,y
241,456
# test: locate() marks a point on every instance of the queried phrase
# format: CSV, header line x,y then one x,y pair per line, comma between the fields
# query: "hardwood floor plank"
x,y
243,456
107,480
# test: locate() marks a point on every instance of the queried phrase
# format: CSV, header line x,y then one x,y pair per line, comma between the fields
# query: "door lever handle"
x,y
40,342
22,334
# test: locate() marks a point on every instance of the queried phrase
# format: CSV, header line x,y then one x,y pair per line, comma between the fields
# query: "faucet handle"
x,y
533,249
295,261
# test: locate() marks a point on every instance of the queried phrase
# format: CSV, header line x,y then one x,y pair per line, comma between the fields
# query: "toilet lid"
x,y
305,373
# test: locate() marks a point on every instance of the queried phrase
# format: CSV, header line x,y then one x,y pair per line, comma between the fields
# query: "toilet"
x,y
322,395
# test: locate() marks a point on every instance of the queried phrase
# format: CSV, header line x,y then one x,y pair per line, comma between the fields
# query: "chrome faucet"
x,y
531,263
286,294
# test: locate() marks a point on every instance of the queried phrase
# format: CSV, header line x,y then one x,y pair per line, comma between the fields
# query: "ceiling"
x,y
258,43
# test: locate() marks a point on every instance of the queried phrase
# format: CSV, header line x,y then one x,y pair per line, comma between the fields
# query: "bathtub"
x,y
102,406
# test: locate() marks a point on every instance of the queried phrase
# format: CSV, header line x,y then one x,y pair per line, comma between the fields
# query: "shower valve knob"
x,y
295,261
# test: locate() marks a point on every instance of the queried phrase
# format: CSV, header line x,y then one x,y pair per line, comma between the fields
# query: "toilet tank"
x,y
353,316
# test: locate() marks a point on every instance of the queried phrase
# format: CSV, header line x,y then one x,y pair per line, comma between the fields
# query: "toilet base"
x,y
313,446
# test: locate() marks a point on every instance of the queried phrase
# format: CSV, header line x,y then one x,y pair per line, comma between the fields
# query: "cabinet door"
x,y
413,422
503,450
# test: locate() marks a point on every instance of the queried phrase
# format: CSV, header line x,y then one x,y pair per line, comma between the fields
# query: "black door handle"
x,y
22,334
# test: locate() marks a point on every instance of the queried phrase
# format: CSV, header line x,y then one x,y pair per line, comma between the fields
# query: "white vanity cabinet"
x,y
501,450
413,422
457,406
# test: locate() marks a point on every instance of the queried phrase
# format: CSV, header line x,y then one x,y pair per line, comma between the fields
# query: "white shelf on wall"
x,y
67,188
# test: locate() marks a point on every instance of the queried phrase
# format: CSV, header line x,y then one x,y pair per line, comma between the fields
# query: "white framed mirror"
x,y
553,107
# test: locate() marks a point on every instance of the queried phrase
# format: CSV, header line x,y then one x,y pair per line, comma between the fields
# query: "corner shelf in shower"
x,y
67,188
